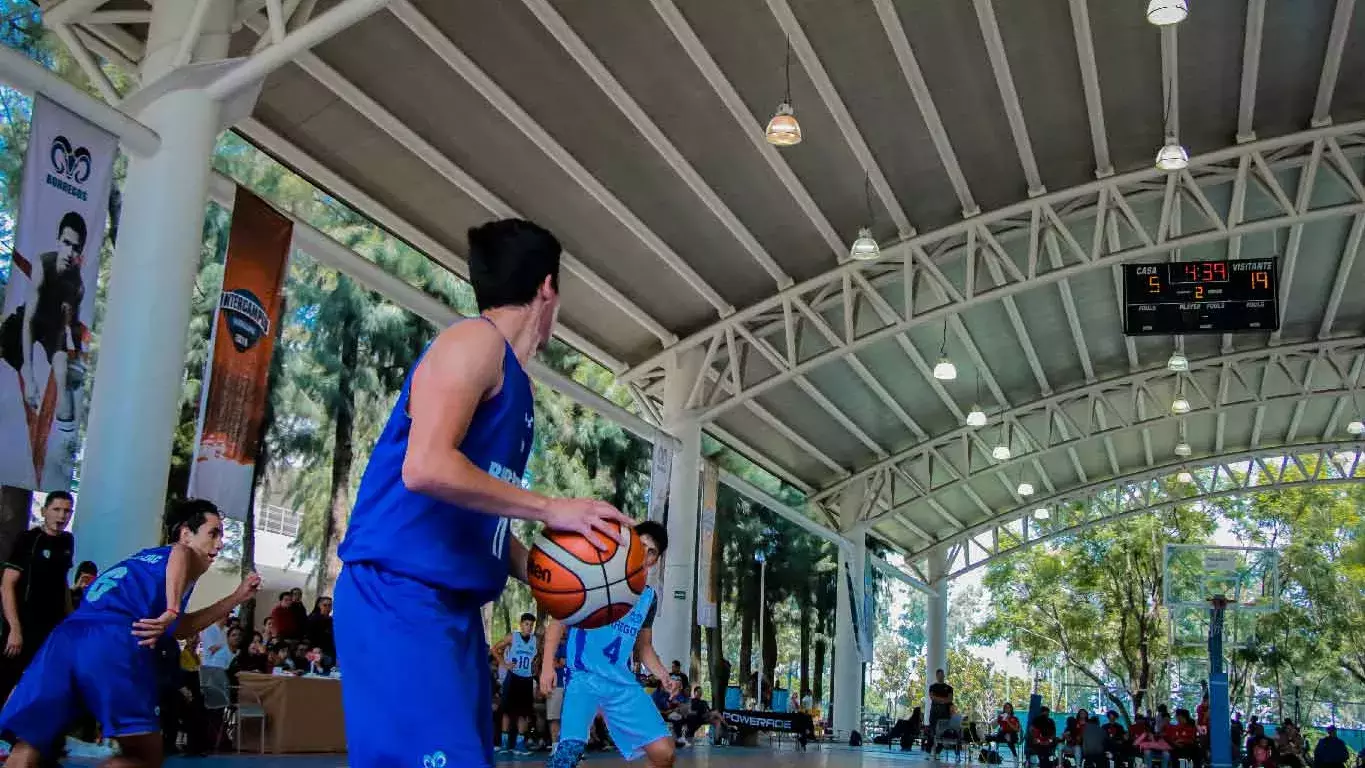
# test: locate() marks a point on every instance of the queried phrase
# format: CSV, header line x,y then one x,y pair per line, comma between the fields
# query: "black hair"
x,y
87,566
75,222
528,617
508,261
189,514
58,496
654,530
286,593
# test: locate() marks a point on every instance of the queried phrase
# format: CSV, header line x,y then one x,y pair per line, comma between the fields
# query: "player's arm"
x,y
177,580
554,633
500,647
197,621
644,651
9,596
36,277
462,367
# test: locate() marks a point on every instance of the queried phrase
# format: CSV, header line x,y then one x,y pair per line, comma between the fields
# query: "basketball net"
x,y
1219,605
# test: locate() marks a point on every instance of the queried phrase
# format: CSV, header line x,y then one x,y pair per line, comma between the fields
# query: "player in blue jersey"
x,y
428,539
519,686
601,678
101,660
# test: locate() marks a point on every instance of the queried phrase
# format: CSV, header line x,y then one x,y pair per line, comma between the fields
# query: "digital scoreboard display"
x,y
1200,297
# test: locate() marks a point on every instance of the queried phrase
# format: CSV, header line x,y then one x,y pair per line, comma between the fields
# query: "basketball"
x,y
582,586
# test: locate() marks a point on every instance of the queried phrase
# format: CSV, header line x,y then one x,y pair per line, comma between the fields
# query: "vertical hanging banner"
x,y
857,607
660,474
706,543
233,406
50,302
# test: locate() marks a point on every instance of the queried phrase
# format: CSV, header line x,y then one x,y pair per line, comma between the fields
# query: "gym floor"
x,y
816,757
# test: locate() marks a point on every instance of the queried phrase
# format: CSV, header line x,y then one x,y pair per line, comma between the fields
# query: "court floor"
x,y
729,757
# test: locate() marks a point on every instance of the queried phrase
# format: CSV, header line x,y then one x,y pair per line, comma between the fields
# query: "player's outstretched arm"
x,y
461,370
554,633
644,651
197,621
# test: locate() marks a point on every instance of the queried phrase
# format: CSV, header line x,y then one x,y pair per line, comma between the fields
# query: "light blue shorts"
x,y
631,716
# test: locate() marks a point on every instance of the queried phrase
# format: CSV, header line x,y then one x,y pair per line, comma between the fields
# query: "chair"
x,y
218,696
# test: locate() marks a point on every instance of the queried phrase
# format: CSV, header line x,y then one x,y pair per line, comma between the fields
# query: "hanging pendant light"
x,y
865,248
1166,12
1184,477
945,370
976,417
1025,488
1180,406
1182,449
1178,362
1356,427
1001,453
1042,513
783,130
1172,156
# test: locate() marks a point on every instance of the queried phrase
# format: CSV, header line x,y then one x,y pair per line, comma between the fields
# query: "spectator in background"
x,y
940,705
723,670
283,621
255,658
1115,740
1289,744
1007,730
213,644
1183,735
1331,751
33,589
85,574
680,677
299,613
268,629
320,627
1042,739
1261,753
1237,733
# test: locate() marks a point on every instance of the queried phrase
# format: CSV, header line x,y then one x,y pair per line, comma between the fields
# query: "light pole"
x,y
762,557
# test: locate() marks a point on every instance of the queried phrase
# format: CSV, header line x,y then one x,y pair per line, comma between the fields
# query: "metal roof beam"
x,y
461,64
1004,81
1331,62
1291,251
1344,267
555,24
1251,68
701,58
1090,84
824,86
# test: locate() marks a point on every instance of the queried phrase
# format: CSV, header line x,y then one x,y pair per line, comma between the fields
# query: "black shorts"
x,y
519,696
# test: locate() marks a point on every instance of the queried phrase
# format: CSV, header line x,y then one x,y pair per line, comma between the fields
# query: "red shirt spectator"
x,y
1181,734
282,617
1007,723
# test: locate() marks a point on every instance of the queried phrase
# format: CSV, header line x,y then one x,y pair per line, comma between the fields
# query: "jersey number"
x,y
612,651
107,581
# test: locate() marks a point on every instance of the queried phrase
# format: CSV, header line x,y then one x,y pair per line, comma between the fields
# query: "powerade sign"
x,y
246,318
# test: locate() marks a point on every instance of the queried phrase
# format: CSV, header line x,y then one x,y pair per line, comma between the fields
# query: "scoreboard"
x,y
1201,297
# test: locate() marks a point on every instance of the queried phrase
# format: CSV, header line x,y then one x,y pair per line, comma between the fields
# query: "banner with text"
x,y
232,411
50,301
707,615
660,474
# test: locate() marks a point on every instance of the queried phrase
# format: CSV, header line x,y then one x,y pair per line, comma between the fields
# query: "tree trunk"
x,y
715,651
749,609
248,564
819,690
694,662
15,506
769,651
804,600
343,456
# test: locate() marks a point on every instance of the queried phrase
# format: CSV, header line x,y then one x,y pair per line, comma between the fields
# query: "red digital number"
x,y
1192,271
1221,270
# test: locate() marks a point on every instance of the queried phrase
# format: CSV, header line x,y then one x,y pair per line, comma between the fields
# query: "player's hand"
x,y
148,631
14,643
249,587
588,517
547,681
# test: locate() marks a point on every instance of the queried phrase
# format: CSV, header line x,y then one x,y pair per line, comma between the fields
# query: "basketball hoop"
x,y
1219,602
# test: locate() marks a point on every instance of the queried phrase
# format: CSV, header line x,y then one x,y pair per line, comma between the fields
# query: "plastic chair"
x,y
218,696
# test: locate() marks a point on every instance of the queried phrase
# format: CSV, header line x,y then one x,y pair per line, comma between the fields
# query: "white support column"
x,y
848,667
936,619
677,603
136,397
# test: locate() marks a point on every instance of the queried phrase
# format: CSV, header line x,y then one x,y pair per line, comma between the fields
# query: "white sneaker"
x,y
78,748
682,742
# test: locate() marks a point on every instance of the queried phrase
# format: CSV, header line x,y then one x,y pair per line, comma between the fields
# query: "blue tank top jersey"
x,y
428,540
605,652
521,654
133,589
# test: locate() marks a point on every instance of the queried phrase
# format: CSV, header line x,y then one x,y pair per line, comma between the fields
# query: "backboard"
x,y
1248,577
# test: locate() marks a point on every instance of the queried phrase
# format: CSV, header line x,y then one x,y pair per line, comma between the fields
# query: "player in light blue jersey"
x,y
101,659
429,541
519,684
601,678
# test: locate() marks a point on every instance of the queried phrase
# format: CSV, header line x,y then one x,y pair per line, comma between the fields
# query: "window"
x,y
277,519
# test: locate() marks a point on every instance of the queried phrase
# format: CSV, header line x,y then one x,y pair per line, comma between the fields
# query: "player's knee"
x,y
659,753
567,754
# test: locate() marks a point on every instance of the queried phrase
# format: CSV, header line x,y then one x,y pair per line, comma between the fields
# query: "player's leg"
x,y
138,751
393,717
554,710
636,726
44,702
575,723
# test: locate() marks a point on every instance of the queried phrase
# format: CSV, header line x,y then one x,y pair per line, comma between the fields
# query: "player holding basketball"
x,y
93,662
600,677
428,542
519,686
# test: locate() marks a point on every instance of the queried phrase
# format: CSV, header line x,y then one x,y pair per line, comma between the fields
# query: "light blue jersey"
x,y
602,679
521,654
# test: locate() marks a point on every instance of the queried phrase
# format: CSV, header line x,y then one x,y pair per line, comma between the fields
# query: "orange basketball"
x,y
581,585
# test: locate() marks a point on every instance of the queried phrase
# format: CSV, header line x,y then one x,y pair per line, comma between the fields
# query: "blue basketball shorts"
x,y
632,719
93,667
415,682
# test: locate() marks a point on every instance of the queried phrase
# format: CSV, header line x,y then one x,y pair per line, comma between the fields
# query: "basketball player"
x,y
428,541
519,687
100,660
601,678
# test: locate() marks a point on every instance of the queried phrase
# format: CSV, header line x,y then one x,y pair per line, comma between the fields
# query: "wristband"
x,y
174,612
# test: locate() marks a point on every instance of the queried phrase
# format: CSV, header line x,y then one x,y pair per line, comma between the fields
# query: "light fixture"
x,y
783,130
945,370
1172,156
1000,452
1165,12
1025,488
1356,427
1184,477
1182,449
1042,513
1178,362
865,248
976,417
1180,406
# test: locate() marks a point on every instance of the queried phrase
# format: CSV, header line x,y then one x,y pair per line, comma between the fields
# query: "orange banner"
x,y
232,412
